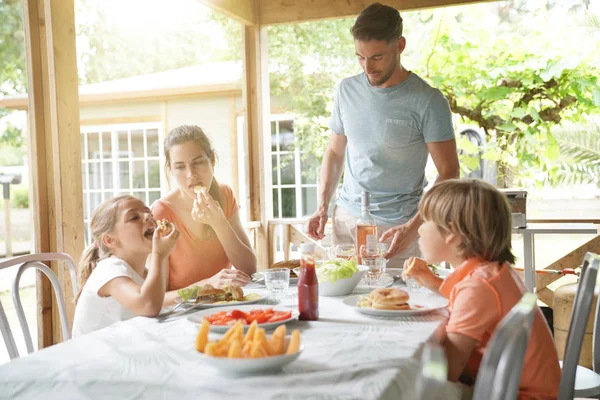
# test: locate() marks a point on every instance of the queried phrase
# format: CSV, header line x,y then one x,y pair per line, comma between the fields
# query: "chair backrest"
x,y
500,371
35,261
579,317
591,258
434,373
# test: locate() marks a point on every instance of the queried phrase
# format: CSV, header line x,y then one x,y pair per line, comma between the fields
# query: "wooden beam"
x,y
294,11
243,11
228,89
256,127
54,146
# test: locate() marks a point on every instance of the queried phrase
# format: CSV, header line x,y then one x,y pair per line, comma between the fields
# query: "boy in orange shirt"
x,y
467,223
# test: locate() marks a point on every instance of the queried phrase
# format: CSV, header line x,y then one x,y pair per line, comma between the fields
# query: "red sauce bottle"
x,y
308,286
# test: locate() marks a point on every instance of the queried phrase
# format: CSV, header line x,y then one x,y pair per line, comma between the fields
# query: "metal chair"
x,y
500,371
35,261
577,380
434,373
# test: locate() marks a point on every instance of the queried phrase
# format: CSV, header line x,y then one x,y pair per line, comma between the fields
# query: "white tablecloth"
x,y
347,355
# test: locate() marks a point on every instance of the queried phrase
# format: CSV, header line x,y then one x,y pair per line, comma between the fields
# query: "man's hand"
x,y
402,236
316,224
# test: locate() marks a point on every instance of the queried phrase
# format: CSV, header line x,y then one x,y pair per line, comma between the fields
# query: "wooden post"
x,y
256,125
54,147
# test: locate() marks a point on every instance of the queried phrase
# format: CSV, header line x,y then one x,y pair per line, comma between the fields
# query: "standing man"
x,y
384,123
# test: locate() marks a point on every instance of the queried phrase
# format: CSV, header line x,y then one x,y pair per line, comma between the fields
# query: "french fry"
x,y
202,337
255,344
259,349
239,333
247,348
294,345
260,335
277,341
211,349
250,334
235,350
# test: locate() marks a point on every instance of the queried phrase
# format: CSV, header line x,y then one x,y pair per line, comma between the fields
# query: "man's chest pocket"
x,y
399,132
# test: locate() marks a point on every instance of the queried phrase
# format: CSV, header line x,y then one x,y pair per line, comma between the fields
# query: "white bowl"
x,y
344,286
251,366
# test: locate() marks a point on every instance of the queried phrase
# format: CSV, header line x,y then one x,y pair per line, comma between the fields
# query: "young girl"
x,y
468,223
112,275
212,236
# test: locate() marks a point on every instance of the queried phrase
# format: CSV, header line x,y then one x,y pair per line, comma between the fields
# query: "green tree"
x,y
13,69
513,89
502,67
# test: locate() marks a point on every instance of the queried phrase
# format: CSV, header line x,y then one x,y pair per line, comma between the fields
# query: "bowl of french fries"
x,y
253,352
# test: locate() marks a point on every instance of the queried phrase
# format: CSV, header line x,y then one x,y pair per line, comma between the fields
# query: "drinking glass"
x,y
277,281
345,251
413,286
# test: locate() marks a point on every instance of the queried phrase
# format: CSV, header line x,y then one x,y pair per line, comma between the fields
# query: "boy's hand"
x,y
164,239
417,269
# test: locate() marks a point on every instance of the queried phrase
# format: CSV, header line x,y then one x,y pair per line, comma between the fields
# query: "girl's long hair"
x,y
103,221
192,133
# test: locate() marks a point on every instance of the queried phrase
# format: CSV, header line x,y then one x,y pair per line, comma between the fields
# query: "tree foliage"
x,y
503,68
13,72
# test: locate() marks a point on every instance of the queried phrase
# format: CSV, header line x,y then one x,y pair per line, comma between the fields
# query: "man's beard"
x,y
385,78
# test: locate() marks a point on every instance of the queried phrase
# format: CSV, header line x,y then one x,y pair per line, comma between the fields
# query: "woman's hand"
x,y
417,269
207,211
164,240
229,276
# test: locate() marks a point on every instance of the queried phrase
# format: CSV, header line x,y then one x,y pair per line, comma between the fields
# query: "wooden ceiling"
x,y
269,12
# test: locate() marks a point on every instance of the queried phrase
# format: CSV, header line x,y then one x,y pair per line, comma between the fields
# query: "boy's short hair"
x,y
475,211
377,22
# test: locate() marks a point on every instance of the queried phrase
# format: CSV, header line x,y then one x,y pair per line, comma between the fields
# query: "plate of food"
x,y
211,296
236,353
395,302
266,317
259,277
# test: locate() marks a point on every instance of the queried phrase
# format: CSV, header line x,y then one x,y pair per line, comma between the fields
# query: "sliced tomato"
x,y
280,316
236,314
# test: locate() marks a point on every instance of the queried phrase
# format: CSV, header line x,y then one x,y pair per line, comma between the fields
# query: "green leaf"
x,y
508,127
551,149
596,94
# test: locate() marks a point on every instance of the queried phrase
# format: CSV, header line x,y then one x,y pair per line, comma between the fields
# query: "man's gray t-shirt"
x,y
387,131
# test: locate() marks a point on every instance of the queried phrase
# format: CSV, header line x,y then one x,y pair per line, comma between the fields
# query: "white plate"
x,y
263,295
197,317
429,301
251,366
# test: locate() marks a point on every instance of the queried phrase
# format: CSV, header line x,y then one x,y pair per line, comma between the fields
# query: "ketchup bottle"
x,y
308,286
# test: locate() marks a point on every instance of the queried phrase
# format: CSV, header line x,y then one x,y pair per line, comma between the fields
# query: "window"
x,y
294,176
117,160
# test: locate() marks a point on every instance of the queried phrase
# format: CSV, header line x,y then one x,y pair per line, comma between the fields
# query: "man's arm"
x,y
331,173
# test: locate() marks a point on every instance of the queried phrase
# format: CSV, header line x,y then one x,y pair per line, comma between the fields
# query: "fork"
x,y
171,313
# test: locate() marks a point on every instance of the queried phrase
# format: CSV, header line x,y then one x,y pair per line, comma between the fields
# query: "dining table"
x,y
346,355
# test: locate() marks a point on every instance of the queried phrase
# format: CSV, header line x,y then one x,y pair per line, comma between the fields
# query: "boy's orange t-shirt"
x,y
194,259
480,294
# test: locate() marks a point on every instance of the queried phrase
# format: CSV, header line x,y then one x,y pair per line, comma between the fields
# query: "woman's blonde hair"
x,y
103,221
476,212
192,133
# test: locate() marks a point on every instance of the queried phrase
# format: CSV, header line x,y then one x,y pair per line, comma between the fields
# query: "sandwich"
x,y
199,189
289,264
388,299
163,226
410,266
